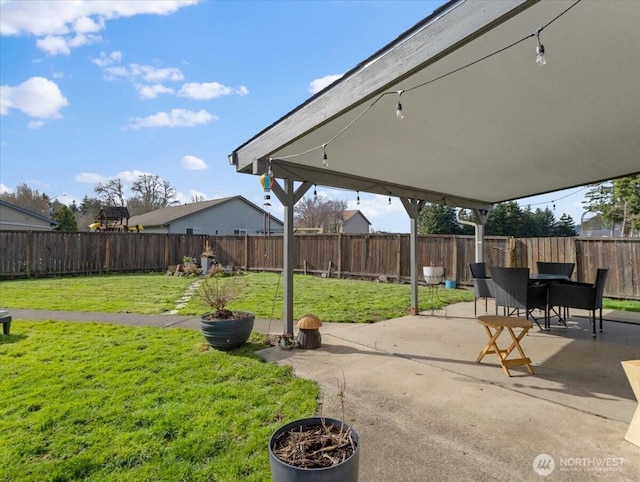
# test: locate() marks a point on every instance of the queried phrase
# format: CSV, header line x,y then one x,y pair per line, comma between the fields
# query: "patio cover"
x,y
483,123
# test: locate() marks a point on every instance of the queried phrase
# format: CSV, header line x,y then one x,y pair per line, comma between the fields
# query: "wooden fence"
x,y
32,253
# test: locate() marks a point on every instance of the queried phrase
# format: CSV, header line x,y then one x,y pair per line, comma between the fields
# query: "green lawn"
x,y
123,293
334,300
111,403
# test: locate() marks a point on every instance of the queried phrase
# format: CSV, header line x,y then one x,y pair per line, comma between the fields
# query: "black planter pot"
x,y
227,334
346,471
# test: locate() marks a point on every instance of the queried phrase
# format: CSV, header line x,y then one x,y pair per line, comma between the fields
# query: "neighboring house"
x,y
353,221
231,215
14,217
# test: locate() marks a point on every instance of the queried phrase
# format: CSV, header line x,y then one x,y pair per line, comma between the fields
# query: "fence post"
x,y
246,252
339,255
454,257
398,257
29,253
511,251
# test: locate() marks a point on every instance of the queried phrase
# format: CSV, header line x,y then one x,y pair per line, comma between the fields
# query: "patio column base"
x,y
632,370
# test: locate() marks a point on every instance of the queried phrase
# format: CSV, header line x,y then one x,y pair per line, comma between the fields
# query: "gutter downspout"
x,y
480,216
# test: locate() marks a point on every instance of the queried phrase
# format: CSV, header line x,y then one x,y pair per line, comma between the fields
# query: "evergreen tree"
x,y
438,219
626,192
64,217
506,219
566,227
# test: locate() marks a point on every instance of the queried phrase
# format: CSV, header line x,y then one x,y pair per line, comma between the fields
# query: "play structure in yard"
x,y
114,218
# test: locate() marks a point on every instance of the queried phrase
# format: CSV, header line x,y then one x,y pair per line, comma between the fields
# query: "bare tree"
x,y
198,198
320,212
152,192
111,193
28,198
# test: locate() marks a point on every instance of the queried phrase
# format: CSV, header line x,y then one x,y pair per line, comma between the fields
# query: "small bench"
x,y
5,319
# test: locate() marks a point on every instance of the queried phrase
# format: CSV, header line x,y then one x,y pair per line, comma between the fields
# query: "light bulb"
x,y
325,158
540,58
399,114
358,199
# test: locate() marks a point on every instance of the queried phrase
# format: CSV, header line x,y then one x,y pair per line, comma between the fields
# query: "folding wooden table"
x,y
499,323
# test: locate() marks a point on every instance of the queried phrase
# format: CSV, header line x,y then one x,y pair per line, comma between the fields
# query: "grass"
x,y
107,403
123,293
333,300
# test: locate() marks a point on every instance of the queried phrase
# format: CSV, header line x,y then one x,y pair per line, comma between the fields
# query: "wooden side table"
x,y
632,370
499,323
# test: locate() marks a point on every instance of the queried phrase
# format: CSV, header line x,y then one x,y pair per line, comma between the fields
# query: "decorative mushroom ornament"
x,y
309,332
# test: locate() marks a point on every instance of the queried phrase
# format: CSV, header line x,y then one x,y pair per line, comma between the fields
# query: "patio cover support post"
x,y
480,217
413,208
288,197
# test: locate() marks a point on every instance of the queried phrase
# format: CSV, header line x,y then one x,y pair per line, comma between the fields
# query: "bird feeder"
x,y
309,332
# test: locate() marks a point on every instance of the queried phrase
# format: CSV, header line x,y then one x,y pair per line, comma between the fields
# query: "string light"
x,y
389,199
540,58
315,193
358,199
399,114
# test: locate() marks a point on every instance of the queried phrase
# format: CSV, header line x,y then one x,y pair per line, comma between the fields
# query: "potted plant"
x,y
223,329
315,449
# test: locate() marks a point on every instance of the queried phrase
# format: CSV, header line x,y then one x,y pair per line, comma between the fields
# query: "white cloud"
x,y
5,190
107,60
127,177
209,90
35,124
317,85
175,118
146,73
153,91
89,178
193,163
72,24
36,97
57,45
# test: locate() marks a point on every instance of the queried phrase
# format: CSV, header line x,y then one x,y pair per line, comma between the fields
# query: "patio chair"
x,y
584,296
513,291
565,269
481,285
545,267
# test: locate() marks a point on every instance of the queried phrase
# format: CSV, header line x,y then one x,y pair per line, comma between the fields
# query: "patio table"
x,y
551,278
499,323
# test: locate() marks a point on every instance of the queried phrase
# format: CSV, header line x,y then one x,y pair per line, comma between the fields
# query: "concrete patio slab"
x,y
426,411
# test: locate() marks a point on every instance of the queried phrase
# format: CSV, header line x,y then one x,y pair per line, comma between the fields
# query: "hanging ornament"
x,y
266,181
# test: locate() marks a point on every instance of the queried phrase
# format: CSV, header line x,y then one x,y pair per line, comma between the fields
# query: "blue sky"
x,y
97,90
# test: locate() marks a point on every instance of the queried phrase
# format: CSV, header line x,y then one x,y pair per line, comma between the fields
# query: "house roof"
x,y
349,213
113,213
27,212
483,123
165,216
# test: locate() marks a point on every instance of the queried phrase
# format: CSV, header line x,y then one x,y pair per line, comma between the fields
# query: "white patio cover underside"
x,y
500,130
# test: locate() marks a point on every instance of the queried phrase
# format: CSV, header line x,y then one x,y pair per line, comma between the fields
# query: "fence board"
x,y
31,253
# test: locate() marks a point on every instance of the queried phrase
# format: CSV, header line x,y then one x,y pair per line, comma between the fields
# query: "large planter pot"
x,y
346,471
228,334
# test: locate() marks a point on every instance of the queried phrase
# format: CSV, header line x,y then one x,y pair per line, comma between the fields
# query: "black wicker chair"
x,y
514,292
584,296
481,285
545,267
